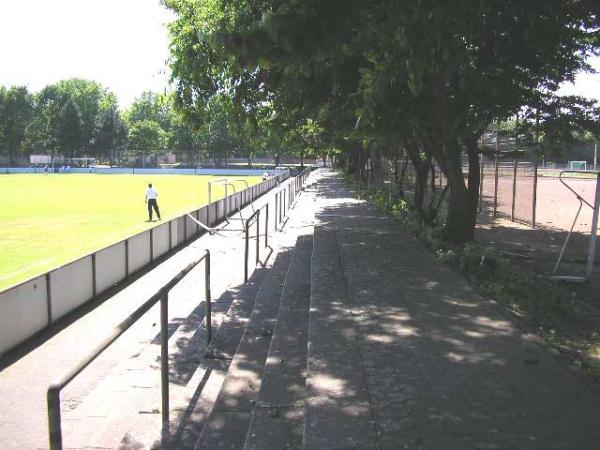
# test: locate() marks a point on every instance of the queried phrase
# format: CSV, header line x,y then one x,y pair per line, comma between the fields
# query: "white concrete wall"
x,y
71,286
110,266
180,230
220,210
139,251
160,239
23,308
191,228
212,213
23,312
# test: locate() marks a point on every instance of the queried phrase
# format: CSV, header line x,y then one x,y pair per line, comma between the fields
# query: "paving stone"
x,y
225,430
444,368
276,428
335,424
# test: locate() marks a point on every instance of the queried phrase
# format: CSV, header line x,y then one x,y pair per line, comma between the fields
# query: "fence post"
x,y
496,164
514,190
481,173
534,200
164,361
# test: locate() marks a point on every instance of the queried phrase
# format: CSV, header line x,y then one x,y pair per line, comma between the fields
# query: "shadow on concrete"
x,y
444,368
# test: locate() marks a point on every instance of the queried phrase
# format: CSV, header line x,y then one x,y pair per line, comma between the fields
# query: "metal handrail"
x,y
53,393
579,197
593,236
255,217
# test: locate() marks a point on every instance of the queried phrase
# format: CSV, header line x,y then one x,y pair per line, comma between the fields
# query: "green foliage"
x,y
146,136
16,109
430,76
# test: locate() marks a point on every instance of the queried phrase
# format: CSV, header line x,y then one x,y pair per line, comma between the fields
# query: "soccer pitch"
x,y
49,220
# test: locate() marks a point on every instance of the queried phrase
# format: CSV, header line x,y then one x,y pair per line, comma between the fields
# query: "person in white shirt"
x,y
151,196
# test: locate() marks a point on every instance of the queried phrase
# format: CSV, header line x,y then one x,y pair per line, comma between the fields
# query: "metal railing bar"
x,y
53,392
570,188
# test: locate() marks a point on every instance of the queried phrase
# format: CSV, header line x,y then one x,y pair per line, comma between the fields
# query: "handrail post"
x,y
54,422
246,251
267,227
207,296
164,361
276,199
258,237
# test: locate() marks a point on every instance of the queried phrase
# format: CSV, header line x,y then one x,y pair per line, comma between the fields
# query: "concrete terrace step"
x,y
124,407
338,412
215,360
228,422
278,418
228,336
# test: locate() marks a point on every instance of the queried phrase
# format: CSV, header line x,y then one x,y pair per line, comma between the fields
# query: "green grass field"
x,y
49,220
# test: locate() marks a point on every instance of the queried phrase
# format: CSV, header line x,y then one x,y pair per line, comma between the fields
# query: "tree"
x,y
111,135
432,75
151,106
16,109
74,117
69,129
146,138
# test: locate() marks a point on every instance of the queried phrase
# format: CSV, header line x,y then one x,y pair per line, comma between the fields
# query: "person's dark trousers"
x,y
152,204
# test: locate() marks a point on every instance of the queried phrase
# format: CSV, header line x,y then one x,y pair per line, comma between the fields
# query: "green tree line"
x,y
81,118
391,80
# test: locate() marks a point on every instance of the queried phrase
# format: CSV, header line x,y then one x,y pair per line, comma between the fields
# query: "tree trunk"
x,y
474,177
460,226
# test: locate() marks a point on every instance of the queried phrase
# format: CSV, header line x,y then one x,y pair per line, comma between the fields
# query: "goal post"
x,y
577,165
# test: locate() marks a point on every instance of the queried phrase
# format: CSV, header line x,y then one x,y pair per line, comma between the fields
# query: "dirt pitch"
x,y
538,248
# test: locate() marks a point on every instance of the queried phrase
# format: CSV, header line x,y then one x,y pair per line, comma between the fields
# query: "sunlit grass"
x,y
49,220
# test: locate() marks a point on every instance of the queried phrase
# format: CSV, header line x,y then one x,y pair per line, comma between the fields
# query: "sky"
x,y
122,44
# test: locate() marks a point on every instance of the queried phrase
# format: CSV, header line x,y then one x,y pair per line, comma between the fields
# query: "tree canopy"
x,y
427,76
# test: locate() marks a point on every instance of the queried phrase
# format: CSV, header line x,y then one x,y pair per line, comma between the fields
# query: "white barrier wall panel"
x,y
240,200
160,238
71,286
203,216
139,251
220,210
180,222
23,312
190,226
110,266
212,213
